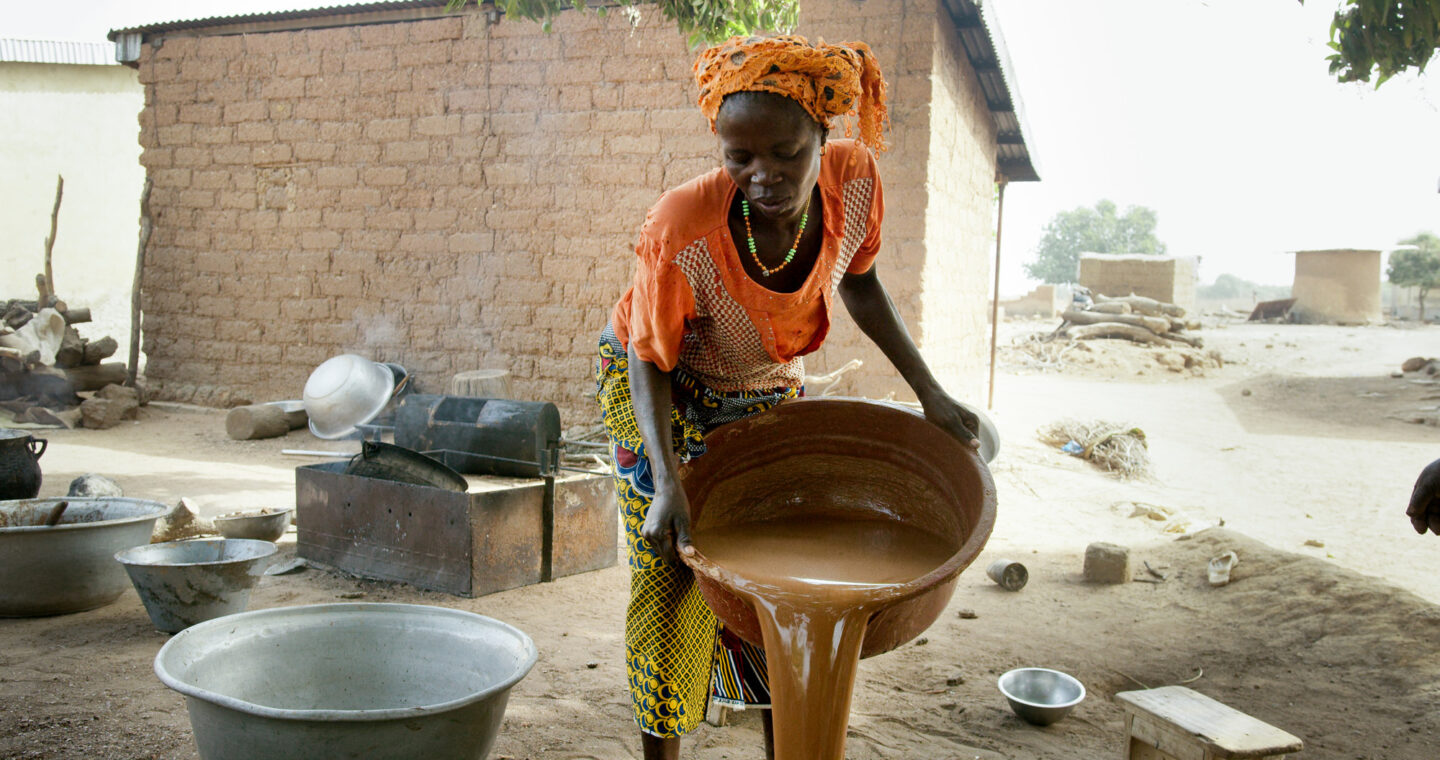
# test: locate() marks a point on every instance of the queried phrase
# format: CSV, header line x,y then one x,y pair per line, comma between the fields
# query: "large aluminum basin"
x,y
71,566
373,681
872,460
186,582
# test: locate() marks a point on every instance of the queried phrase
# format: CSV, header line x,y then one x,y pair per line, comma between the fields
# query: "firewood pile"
x,y
1132,317
45,364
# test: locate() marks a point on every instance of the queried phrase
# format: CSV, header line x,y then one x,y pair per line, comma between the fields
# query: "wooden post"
x,y
47,291
995,303
145,226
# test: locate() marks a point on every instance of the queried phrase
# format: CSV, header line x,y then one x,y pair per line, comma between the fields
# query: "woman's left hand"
x,y
946,413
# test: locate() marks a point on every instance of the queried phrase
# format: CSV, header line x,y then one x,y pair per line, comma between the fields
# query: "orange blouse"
x,y
693,306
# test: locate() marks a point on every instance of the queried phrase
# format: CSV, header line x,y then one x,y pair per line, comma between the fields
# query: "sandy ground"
x,y
1295,440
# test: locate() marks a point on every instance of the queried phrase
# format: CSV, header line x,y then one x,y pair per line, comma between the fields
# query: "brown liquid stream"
x,y
814,582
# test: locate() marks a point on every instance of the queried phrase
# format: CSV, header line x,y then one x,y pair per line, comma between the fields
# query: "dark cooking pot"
x,y
386,461
19,464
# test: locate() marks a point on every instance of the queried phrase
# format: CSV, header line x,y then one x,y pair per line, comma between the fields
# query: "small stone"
x,y
94,485
954,680
948,705
967,614
592,665
922,641
1414,363
351,594
1245,392
1107,563
1315,542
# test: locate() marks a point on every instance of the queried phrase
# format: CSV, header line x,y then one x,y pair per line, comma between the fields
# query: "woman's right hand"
x,y
667,522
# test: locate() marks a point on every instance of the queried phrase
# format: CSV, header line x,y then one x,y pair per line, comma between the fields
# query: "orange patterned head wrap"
x,y
827,80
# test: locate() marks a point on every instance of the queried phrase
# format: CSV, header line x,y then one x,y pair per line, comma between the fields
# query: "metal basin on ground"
x,y
372,681
867,459
186,582
260,524
68,567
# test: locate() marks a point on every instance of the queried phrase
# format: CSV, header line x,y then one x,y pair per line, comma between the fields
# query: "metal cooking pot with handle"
x,y
19,464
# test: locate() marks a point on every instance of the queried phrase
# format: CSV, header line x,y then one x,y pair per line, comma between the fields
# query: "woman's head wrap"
x,y
826,80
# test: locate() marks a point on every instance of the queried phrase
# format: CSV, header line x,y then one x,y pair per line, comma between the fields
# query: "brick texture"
x,y
453,195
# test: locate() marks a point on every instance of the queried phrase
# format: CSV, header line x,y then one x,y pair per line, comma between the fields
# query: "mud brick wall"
x,y
1163,278
451,195
1337,286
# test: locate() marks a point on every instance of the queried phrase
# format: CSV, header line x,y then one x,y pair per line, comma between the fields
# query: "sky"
x,y
1218,114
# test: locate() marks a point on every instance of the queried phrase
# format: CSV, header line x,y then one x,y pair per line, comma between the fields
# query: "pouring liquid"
x,y
815,581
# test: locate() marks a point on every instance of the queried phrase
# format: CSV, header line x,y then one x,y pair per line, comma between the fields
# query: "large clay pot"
x,y
877,460
19,464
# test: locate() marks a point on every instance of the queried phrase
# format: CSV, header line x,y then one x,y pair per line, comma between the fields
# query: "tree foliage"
x,y
1417,265
1092,230
701,21
1382,38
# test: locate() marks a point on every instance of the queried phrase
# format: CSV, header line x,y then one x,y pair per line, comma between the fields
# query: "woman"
x,y
736,278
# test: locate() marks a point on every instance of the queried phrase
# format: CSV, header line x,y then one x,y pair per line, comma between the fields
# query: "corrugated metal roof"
x,y
251,18
57,51
980,36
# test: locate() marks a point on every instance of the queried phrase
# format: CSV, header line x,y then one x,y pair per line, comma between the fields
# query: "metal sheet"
x,y
382,529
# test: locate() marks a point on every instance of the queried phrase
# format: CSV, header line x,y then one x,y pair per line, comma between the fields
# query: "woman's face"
x,y
770,147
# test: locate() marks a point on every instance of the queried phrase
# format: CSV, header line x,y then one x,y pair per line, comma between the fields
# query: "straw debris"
x,y
1117,448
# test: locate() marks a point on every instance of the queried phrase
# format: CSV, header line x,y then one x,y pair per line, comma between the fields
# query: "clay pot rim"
x,y
963,556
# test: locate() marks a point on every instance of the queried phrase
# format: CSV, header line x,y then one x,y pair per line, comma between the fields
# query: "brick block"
x,y
383,176
271,154
199,113
1107,563
336,176
374,59
436,126
283,88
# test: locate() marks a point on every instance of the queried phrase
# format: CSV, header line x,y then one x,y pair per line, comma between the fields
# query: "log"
x,y
17,315
97,351
93,378
1188,340
1157,325
481,383
1144,305
1115,330
77,315
245,423
1111,308
72,350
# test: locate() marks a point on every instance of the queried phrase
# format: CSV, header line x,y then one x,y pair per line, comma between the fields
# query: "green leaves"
x,y
1382,38
703,22
1418,264
1097,230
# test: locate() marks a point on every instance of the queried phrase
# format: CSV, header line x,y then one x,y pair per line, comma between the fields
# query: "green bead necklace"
x,y
750,238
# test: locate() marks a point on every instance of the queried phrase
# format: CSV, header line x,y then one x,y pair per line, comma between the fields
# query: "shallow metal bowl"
x,y
374,681
68,567
1041,695
346,391
260,524
187,582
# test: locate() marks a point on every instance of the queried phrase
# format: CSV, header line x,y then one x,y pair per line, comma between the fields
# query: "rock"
x,y
113,391
1315,542
1414,364
1171,360
1245,392
967,614
1107,563
181,522
100,413
91,484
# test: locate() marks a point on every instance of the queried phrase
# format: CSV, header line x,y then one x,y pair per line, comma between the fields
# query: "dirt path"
x,y
1338,644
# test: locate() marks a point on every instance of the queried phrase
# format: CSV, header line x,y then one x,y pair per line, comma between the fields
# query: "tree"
x,y
702,21
1383,38
1417,265
1086,230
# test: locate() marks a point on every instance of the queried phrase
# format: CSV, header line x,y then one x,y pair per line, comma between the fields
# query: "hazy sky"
x,y
1218,114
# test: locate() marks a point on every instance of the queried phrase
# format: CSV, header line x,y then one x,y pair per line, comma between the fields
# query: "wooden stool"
x,y
1175,723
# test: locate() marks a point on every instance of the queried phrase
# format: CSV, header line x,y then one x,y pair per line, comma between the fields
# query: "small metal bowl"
x,y
1039,695
260,524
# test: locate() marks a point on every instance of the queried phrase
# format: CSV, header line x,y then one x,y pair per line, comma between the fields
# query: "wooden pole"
x,y
995,302
146,225
48,289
